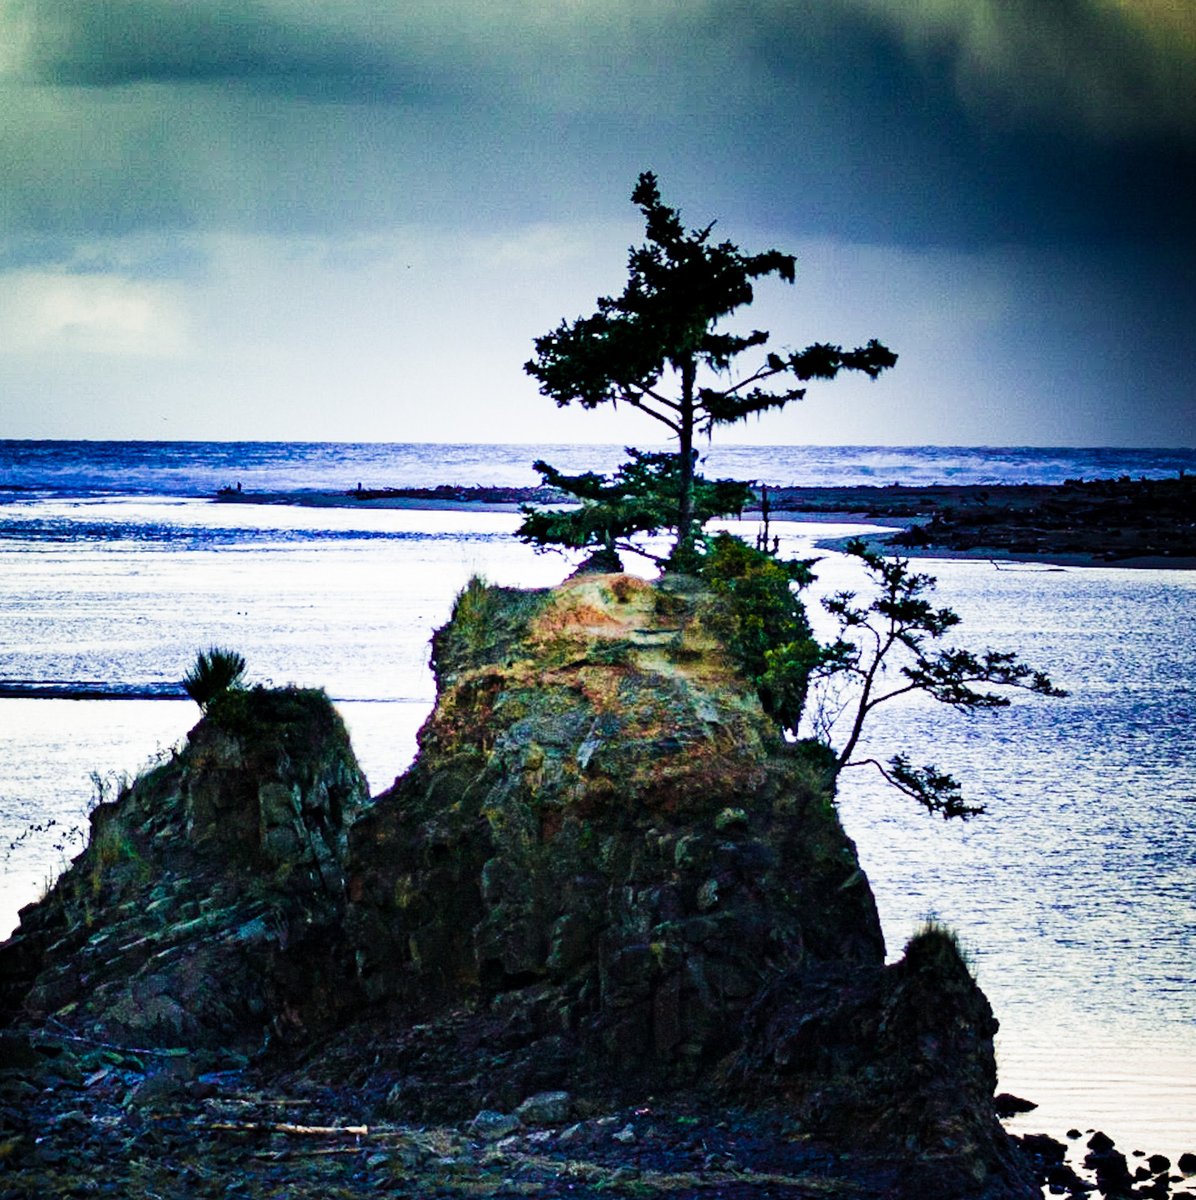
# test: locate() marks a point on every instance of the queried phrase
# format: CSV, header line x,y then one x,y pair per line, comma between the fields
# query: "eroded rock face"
x,y
604,836
607,870
203,910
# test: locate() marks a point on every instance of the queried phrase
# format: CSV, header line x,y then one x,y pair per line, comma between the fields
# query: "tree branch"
x,y
936,791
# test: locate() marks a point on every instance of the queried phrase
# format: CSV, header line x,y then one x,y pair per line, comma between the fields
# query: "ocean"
x,y
199,468
1073,894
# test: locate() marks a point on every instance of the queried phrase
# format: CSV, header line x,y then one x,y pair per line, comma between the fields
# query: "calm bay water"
x,y
1074,895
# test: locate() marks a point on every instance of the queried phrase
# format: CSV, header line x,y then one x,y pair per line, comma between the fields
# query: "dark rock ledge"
x,y
1099,522
607,934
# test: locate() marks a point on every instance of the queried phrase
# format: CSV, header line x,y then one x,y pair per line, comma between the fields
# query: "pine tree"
x,y
658,347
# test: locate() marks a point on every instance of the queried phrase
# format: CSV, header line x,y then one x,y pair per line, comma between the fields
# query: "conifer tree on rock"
x,y
639,498
888,646
658,347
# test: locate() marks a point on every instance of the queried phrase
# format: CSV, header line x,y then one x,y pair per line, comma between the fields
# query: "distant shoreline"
x,y
1121,523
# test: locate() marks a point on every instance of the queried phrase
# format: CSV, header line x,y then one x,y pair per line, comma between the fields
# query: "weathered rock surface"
x,y
899,1060
604,831
606,877
203,910
608,871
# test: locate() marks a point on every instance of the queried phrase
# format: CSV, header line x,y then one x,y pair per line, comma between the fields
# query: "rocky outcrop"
x,y
607,870
898,1061
605,834
203,910
606,876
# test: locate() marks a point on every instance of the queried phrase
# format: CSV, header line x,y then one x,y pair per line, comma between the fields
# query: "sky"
x,y
273,219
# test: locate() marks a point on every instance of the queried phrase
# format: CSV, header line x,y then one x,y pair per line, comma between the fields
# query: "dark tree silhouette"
x,y
657,346
888,647
640,498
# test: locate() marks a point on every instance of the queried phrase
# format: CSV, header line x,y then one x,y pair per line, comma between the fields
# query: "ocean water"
x,y
1074,894
199,468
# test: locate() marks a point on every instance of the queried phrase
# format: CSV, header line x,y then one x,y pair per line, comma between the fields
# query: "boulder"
x,y
203,910
897,1061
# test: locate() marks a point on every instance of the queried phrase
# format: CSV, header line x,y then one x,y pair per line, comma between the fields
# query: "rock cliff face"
x,y
603,830
202,912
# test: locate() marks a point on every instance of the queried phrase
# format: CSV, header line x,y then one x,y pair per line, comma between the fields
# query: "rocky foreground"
x,y
605,936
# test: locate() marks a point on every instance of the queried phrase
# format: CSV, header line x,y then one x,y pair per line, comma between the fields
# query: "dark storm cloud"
x,y
1116,68
1045,149
110,43
953,122
978,123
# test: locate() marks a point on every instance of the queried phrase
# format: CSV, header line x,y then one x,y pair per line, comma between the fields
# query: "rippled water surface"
x,y
199,468
1074,894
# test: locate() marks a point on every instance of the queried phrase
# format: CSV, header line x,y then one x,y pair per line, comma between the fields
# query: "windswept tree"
x,y
659,348
889,645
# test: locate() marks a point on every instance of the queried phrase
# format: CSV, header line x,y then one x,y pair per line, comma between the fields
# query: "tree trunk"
x,y
685,451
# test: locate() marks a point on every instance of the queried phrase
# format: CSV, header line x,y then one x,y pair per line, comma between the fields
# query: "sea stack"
x,y
607,872
607,877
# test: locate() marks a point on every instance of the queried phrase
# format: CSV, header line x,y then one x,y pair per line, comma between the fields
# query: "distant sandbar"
x,y
1122,522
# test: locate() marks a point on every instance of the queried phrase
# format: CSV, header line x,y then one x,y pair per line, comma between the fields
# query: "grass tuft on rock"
x,y
216,671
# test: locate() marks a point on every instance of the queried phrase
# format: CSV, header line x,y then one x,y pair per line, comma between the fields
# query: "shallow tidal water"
x,y
1074,894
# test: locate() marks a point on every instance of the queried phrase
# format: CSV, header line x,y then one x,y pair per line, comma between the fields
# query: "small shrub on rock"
x,y
762,620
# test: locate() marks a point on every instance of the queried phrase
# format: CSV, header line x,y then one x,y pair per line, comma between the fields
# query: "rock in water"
x,y
897,1060
607,874
204,908
608,870
561,846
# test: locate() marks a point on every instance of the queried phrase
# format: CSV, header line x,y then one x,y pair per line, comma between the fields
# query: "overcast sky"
x,y
278,219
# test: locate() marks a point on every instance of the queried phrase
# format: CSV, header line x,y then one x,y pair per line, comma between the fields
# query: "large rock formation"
x,y
203,910
603,830
606,873
607,870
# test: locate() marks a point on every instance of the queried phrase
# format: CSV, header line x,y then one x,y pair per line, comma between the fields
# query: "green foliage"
x,y
304,715
487,620
473,612
216,671
887,647
640,498
763,622
658,347
114,853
